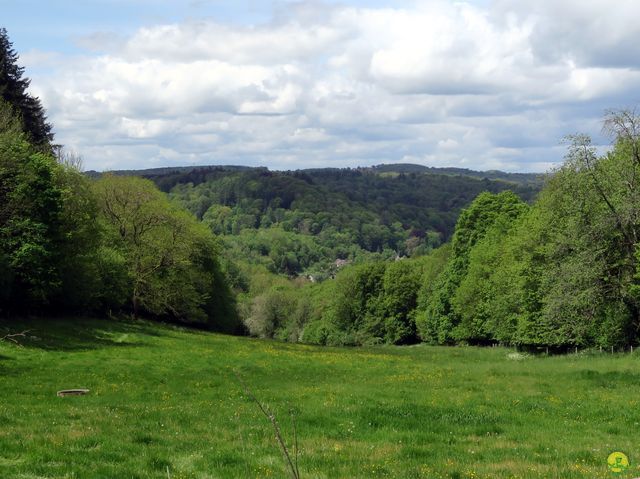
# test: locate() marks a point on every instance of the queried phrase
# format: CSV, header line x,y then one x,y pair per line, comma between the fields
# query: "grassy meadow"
x,y
164,402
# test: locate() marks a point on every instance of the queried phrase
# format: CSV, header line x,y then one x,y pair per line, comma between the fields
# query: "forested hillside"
x,y
301,222
391,254
72,245
559,273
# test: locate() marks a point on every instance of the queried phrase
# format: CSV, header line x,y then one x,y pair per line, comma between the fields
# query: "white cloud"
x,y
439,82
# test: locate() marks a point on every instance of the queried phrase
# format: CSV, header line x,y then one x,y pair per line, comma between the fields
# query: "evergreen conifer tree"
x,y
13,90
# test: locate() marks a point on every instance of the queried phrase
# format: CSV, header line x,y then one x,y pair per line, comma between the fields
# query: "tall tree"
x,y
439,321
30,207
171,260
13,90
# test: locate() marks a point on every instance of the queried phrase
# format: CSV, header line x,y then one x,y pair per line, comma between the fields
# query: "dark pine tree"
x,y
13,89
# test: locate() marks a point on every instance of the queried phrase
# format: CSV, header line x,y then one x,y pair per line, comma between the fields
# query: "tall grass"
x,y
164,403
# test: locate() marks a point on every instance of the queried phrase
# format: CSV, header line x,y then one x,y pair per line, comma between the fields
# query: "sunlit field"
x,y
165,402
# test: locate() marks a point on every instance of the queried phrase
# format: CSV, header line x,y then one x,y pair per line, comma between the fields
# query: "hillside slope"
x,y
165,401
301,221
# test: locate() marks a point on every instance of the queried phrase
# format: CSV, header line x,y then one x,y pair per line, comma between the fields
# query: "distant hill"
x,y
520,178
166,170
398,168
303,220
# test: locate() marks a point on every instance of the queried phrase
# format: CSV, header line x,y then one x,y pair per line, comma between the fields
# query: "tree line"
x,y
300,222
70,245
559,273
421,262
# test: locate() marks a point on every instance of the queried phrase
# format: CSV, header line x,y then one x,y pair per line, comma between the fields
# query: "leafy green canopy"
x,y
301,222
31,209
440,321
561,273
160,259
67,244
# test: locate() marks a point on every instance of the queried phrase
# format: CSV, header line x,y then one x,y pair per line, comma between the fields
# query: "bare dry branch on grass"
x,y
291,463
14,337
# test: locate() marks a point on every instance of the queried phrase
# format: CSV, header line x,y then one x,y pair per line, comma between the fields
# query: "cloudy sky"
x,y
483,84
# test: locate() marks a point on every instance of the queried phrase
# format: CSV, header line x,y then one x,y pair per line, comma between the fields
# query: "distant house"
x,y
339,263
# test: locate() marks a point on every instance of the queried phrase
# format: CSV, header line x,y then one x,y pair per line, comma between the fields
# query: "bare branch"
x,y
582,157
295,440
13,337
70,159
624,126
293,468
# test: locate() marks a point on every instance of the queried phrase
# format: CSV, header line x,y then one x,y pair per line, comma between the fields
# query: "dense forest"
x,y
300,222
72,245
562,272
393,254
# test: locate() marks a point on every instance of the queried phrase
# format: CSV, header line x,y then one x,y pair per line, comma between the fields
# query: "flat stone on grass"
x,y
72,392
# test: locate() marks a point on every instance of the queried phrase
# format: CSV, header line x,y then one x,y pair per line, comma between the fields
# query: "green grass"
x,y
163,399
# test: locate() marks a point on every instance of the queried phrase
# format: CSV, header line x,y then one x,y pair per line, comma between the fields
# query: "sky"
x,y
491,84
